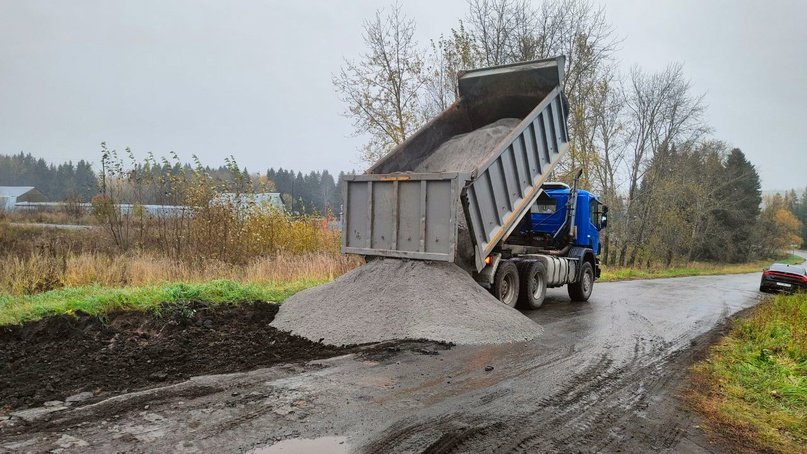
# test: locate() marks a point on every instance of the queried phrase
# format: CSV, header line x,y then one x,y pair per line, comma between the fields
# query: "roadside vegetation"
x,y
752,388
693,269
98,300
220,246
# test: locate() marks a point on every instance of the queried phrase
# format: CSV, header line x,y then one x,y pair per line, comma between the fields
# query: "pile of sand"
x,y
390,299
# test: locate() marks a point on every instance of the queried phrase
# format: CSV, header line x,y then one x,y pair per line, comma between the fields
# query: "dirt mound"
x,y
399,299
60,356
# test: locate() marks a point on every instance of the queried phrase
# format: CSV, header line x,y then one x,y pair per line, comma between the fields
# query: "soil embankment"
x,y
60,356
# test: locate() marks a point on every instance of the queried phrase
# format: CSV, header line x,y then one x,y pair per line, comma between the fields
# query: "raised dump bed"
x,y
395,211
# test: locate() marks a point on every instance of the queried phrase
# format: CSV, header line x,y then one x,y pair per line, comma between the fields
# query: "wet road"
x,y
604,377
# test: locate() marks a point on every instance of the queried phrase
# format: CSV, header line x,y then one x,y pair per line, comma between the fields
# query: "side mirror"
x,y
604,218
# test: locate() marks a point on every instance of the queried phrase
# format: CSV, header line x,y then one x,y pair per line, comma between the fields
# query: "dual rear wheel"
x,y
522,285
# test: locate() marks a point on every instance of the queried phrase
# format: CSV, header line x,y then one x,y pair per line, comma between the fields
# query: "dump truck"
x,y
493,213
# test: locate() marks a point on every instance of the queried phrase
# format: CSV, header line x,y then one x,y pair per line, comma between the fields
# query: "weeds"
x,y
753,386
42,272
200,236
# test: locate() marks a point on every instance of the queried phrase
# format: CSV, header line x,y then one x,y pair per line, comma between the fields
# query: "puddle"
x,y
329,445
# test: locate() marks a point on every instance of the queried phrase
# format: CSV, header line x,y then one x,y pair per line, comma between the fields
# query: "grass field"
x,y
697,269
98,300
753,386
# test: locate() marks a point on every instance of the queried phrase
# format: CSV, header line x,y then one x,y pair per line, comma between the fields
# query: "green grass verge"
x,y
98,300
701,269
754,383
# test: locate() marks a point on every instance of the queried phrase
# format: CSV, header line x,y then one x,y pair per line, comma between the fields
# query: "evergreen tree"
x,y
57,182
312,193
743,196
328,188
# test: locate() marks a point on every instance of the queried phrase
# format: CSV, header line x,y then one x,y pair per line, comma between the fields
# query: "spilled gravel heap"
x,y
390,299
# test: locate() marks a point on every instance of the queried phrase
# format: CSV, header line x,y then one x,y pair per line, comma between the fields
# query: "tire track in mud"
x,y
456,432
627,389
592,411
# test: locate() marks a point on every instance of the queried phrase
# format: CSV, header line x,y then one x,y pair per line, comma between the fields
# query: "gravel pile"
x,y
390,299
397,299
463,152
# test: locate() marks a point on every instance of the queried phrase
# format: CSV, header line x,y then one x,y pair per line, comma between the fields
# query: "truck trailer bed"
x,y
394,210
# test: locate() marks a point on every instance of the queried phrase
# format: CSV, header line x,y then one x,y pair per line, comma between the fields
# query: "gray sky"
x,y
253,78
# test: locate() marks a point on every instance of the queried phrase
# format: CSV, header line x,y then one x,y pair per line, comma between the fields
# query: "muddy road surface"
x,y
604,377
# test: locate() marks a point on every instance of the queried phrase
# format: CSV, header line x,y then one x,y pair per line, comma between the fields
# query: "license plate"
x,y
782,284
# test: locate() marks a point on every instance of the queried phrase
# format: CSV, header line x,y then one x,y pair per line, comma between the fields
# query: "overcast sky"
x,y
252,79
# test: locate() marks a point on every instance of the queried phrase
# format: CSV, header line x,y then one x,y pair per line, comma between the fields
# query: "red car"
x,y
786,278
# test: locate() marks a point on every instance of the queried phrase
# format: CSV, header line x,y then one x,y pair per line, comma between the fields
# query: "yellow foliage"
x,y
782,229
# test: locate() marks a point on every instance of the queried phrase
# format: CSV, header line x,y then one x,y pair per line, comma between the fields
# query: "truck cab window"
x,y
595,212
544,206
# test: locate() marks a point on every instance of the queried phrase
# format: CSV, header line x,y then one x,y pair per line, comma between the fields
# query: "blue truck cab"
x,y
548,217
558,243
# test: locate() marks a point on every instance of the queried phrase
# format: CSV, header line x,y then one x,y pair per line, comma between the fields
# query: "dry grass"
x,y
256,245
62,216
39,272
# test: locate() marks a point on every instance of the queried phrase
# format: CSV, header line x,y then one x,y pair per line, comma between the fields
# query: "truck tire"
x,y
532,291
581,290
505,284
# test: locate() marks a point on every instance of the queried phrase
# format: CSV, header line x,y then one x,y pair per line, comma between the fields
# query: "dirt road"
x,y
603,377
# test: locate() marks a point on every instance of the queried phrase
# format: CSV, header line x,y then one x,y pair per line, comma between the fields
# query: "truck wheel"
x,y
533,285
505,284
581,290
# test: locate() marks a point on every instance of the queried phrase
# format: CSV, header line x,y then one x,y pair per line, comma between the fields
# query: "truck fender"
x,y
583,254
488,273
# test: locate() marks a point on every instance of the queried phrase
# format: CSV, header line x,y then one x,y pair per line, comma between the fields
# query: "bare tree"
x,y
661,111
507,31
607,108
607,139
447,57
498,28
382,89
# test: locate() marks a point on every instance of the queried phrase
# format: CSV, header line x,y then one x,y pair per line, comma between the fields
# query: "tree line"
x,y
675,192
154,181
312,193
58,182
785,216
